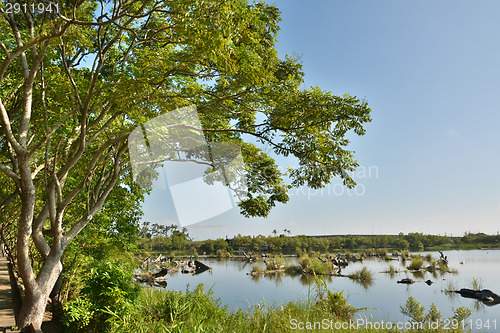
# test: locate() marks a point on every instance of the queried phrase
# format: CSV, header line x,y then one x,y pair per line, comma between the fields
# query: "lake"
x,y
384,297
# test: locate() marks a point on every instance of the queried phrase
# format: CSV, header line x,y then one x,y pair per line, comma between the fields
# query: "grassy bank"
x,y
199,311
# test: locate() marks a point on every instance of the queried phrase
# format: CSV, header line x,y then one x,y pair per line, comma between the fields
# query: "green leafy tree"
x,y
74,85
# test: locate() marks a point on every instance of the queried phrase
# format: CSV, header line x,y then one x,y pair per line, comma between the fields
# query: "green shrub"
x,y
256,268
363,277
392,270
416,263
106,287
416,312
304,261
275,264
382,252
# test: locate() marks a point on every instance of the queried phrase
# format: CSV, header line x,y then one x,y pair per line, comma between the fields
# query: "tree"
x,y
73,85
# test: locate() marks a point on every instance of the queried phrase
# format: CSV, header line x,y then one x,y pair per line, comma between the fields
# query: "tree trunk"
x,y
35,301
55,296
32,310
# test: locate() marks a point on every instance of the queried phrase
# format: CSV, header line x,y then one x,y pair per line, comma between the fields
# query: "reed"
x,y
363,275
416,263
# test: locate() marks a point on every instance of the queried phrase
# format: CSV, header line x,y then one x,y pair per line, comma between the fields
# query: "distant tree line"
x,y
172,238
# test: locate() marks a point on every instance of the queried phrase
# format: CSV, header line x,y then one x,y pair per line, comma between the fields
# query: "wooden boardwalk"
x,y
7,318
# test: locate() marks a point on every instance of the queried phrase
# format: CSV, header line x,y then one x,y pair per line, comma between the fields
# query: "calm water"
x,y
384,297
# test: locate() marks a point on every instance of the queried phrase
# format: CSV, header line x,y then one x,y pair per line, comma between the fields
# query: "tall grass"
x,y
382,252
197,311
314,265
256,268
405,254
450,287
304,261
363,276
272,265
391,270
416,263
477,284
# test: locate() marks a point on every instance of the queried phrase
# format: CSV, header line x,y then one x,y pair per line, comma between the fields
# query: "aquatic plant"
x,y
433,265
477,284
256,268
363,275
275,264
391,270
451,287
405,254
304,261
382,252
416,263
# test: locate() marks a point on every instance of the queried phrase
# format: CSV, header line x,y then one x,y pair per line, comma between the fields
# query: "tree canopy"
x,y
75,83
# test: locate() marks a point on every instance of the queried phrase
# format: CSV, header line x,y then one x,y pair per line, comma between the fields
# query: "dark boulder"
x,y
406,281
486,296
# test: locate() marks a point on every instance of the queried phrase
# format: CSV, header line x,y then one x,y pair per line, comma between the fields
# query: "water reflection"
x,y
238,290
364,283
418,274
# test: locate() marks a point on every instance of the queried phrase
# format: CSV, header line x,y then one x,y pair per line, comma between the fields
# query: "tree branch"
x,y
11,174
117,172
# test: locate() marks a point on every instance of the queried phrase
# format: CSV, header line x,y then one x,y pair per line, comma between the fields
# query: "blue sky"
x,y
430,71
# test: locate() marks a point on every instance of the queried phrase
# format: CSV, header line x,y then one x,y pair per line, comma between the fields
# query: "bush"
x,y
196,311
107,287
416,263
256,268
274,264
363,277
416,312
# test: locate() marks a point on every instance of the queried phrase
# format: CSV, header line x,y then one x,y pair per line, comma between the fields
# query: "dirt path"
x,y
7,319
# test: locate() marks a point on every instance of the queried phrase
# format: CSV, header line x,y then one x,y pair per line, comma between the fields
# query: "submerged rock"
x,y
486,296
406,281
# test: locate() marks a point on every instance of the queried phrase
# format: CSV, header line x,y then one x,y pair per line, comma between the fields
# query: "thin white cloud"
x,y
452,133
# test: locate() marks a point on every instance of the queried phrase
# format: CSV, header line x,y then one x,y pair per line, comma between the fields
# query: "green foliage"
x,y
413,309
197,311
304,261
79,313
256,268
336,304
362,276
461,313
416,263
274,264
107,287
433,314
417,314
477,284
155,238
